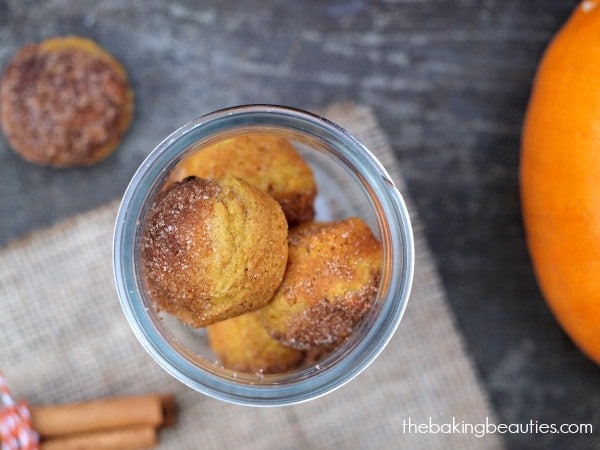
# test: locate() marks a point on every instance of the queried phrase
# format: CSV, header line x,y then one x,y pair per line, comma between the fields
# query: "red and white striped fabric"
x,y
15,422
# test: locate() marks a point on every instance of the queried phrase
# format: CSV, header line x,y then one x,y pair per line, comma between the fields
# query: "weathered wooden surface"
x,y
448,80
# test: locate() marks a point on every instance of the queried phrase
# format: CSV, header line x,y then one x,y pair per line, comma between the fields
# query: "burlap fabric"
x,y
64,338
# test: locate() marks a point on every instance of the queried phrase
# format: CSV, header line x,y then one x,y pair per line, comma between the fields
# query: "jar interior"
x,y
342,193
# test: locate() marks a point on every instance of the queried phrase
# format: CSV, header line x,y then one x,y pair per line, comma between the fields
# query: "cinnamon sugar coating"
x,y
213,249
264,160
64,102
330,283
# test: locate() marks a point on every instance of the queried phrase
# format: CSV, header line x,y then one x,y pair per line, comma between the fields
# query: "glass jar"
x,y
351,182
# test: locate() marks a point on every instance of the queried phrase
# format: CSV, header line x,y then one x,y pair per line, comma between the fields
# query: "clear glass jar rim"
x,y
397,234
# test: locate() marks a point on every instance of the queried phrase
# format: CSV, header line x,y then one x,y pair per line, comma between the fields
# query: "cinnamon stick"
x,y
127,438
169,410
67,419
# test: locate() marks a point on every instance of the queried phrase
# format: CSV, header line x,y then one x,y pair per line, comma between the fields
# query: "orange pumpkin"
x,y
560,177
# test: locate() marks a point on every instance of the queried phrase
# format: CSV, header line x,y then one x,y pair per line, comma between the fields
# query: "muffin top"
x,y
265,160
213,249
330,283
64,102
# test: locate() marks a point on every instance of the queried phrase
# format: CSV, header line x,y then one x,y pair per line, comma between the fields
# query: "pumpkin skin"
x,y
560,177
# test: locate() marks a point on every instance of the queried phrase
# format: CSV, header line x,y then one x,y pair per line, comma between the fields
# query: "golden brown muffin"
x,y
330,283
241,343
65,102
265,160
213,249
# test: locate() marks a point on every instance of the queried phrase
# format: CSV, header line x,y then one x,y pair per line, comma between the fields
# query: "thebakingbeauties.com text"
x,y
488,427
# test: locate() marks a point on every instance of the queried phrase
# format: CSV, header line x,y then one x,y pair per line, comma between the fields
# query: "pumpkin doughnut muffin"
x,y
213,249
330,283
265,160
65,102
242,344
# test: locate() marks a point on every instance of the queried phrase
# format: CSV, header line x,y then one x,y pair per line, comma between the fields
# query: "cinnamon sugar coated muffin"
x,y
330,283
264,160
65,102
242,344
213,249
